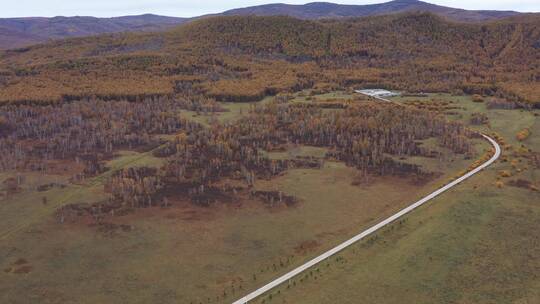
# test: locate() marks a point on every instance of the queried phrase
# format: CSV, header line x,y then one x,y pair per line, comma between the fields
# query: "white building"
x,y
377,93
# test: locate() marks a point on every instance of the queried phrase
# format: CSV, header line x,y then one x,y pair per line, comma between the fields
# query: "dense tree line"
x,y
86,131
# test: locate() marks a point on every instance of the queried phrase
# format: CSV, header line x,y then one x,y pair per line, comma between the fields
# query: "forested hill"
x,y
20,32
400,37
246,58
321,10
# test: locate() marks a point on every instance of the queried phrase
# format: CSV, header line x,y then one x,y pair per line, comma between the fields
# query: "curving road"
x,y
371,230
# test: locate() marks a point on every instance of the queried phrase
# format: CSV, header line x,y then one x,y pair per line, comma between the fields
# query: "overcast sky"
x,y
189,8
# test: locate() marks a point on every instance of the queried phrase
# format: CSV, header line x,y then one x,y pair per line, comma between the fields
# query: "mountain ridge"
x,y
22,32
323,10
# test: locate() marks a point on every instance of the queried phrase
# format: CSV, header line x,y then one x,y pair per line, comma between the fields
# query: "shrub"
x,y
505,173
523,134
477,98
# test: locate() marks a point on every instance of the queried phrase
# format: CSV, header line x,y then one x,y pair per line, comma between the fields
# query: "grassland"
x,y
475,244
185,253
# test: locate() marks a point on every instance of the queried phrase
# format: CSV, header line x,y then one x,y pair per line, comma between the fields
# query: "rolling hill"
x,y
322,10
20,32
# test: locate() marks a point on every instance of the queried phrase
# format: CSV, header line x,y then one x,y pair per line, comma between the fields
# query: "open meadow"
x,y
474,244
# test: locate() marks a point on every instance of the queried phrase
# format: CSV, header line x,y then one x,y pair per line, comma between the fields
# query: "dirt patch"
x,y
12,185
333,233
20,266
23,269
411,179
79,212
193,214
20,261
210,196
306,162
306,247
111,229
394,168
228,281
275,198
47,187
364,180
524,184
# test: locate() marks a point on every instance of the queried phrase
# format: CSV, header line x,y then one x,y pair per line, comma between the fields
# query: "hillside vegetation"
x,y
22,32
321,10
248,58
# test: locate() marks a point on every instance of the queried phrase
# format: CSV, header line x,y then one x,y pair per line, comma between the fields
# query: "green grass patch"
x,y
474,244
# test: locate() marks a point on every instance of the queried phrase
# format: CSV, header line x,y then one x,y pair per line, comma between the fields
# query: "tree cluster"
x,y
85,131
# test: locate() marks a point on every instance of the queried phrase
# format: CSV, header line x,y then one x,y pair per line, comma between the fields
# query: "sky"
x,y
190,8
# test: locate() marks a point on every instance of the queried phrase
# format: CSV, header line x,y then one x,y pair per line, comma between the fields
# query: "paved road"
x,y
371,230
